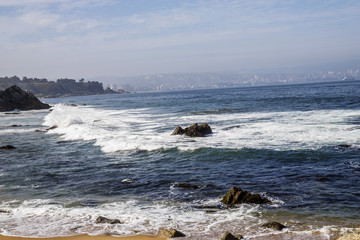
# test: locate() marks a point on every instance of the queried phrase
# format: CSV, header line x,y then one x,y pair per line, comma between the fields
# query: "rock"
x,y
229,236
51,128
15,98
169,233
178,131
185,185
11,113
344,146
4,211
274,225
8,147
127,180
101,219
235,196
194,130
350,236
322,179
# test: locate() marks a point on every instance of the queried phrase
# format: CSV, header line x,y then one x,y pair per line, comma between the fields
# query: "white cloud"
x,y
41,19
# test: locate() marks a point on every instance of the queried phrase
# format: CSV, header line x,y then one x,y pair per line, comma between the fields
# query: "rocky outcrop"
x,y
274,225
101,219
169,233
229,236
15,98
194,130
236,195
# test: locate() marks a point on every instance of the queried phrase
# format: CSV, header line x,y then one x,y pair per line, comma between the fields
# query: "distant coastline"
x,y
61,88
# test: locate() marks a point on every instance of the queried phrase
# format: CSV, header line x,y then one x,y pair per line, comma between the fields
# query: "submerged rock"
x,y
236,195
4,211
274,225
323,179
194,130
15,98
51,128
229,236
8,147
101,219
185,185
169,233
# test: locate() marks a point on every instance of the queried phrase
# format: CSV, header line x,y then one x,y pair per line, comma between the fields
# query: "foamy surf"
x,y
141,129
46,218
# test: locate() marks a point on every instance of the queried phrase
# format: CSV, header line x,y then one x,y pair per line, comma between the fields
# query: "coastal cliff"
x,y
62,87
15,98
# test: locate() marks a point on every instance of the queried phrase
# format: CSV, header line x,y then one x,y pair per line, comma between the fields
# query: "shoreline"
x,y
85,237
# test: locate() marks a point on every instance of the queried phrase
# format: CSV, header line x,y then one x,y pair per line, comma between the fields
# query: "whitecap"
x,y
142,129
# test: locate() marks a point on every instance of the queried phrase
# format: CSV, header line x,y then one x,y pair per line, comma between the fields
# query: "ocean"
x,y
114,156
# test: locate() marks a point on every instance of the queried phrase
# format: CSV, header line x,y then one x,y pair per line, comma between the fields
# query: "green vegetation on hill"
x,y
62,87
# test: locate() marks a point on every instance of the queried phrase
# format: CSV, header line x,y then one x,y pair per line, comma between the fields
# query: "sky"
x,y
89,38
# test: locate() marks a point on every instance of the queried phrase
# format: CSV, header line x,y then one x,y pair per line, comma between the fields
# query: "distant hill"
x,y
62,87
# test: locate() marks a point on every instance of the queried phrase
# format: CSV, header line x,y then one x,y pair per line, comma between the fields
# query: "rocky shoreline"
x,y
234,198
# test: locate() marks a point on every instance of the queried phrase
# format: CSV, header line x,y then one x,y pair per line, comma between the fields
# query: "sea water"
x,y
114,156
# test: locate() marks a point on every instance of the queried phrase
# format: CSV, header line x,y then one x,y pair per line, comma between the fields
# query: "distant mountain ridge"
x,y
62,87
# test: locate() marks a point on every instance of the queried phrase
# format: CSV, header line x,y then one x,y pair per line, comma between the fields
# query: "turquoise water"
x,y
114,155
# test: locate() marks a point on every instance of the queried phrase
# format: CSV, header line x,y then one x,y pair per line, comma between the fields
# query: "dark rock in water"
x,y
101,219
194,130
15,125
11,113
169,233
323,179
15,98
8,147
231,127
40,131
185,185
4,211
210,211
178,131
274,225
229,236
236,195
344,146
51,128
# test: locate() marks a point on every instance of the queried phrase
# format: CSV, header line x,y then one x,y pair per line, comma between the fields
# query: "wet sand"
x,y
87,237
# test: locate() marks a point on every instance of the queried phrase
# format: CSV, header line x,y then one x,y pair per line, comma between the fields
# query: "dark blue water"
x,y
297,145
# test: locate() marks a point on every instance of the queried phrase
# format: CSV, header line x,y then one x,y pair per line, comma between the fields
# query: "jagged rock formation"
x,y
15,98
236,195
194,130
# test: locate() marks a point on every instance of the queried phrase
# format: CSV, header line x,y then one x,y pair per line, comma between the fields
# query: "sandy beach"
x,y
86,237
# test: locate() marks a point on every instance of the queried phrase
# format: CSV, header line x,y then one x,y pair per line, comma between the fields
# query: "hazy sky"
x,y
88,38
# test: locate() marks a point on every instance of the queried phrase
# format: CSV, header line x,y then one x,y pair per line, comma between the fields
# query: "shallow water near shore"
x,y
114,156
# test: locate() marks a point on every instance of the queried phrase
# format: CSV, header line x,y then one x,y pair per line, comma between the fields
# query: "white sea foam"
x,y
45,218
140,129
40,218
